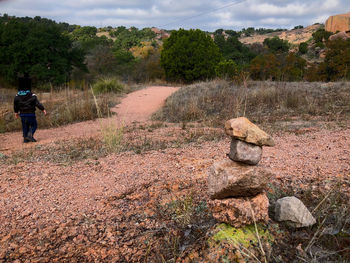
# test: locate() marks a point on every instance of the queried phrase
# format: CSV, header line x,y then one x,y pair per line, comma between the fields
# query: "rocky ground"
x,y
69,198
150,206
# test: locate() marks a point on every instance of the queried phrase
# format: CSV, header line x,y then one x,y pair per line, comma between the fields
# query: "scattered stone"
x,y
294,212
242,129
248,153
232,179
238,212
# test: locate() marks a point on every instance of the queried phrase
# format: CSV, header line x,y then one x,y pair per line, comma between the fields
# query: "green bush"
x,y
105,85
303,48
226,69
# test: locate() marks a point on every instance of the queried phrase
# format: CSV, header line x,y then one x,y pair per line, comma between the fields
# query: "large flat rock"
x,y
244,130
228,178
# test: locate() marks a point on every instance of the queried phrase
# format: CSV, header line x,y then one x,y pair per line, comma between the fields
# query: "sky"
x,y
207,15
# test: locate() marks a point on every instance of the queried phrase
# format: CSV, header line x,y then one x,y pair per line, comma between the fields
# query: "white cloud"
x,y
203,14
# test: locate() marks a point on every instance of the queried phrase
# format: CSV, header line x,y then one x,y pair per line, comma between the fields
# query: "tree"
x,y
298,27
321,36
101,61
276,44
232,49
189,55
292,67
337,60
265,67
86,38
38,48
226,69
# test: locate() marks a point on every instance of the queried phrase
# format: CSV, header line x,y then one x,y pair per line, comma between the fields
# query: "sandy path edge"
x,y
137,106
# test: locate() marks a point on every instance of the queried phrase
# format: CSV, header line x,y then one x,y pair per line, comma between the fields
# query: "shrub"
x,y
105,85
303,48
226,69
217,101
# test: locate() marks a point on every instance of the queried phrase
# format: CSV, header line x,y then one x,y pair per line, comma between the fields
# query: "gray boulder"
x,y
291,210
244,152
228,178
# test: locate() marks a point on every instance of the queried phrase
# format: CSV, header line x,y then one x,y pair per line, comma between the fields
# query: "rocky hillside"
x,y
295,36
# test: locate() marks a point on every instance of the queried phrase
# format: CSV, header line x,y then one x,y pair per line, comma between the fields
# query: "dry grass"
x,y
64,107
138,140
263,102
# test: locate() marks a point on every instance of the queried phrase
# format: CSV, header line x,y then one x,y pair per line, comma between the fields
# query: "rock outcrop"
x,y
341,35
338,23
295,36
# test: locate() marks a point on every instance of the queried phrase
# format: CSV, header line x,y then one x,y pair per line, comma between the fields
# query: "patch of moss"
x,y
245,236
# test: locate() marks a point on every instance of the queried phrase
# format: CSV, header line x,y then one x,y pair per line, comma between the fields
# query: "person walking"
x,y
25,104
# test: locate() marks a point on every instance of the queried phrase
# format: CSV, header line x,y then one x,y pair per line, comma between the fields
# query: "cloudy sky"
x,y
173,14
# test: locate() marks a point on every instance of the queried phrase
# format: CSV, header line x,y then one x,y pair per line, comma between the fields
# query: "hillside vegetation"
x,y
75,56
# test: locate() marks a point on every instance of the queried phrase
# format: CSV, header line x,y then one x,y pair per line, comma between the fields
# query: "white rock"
x,y
292,210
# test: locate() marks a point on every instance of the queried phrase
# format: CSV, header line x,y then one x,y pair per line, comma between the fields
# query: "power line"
x,y
204,13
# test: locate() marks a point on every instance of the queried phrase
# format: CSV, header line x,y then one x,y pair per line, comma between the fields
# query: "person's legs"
x,y
25,128
33,126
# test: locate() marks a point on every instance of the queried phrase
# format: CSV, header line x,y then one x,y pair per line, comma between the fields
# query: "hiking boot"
x,y
26,140
32,139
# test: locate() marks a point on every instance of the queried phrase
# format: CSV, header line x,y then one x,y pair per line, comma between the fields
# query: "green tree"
x,y
232,49
39,48
276,44
321,36
189,55
86,38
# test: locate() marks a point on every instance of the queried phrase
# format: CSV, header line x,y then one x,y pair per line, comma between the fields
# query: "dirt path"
x,y
136,107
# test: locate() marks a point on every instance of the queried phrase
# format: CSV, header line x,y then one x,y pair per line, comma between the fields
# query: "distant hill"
x,y
294,36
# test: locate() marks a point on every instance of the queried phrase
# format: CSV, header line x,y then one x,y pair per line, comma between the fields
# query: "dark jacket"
x,y
26,103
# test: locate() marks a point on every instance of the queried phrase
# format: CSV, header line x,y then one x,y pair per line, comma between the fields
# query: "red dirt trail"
x,y
137,106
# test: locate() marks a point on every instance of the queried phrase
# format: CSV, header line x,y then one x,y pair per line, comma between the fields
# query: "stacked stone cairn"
x,y
237,184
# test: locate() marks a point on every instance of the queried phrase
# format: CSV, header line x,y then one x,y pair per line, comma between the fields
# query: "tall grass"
x,y
111,134
107,84
220,100
63,107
